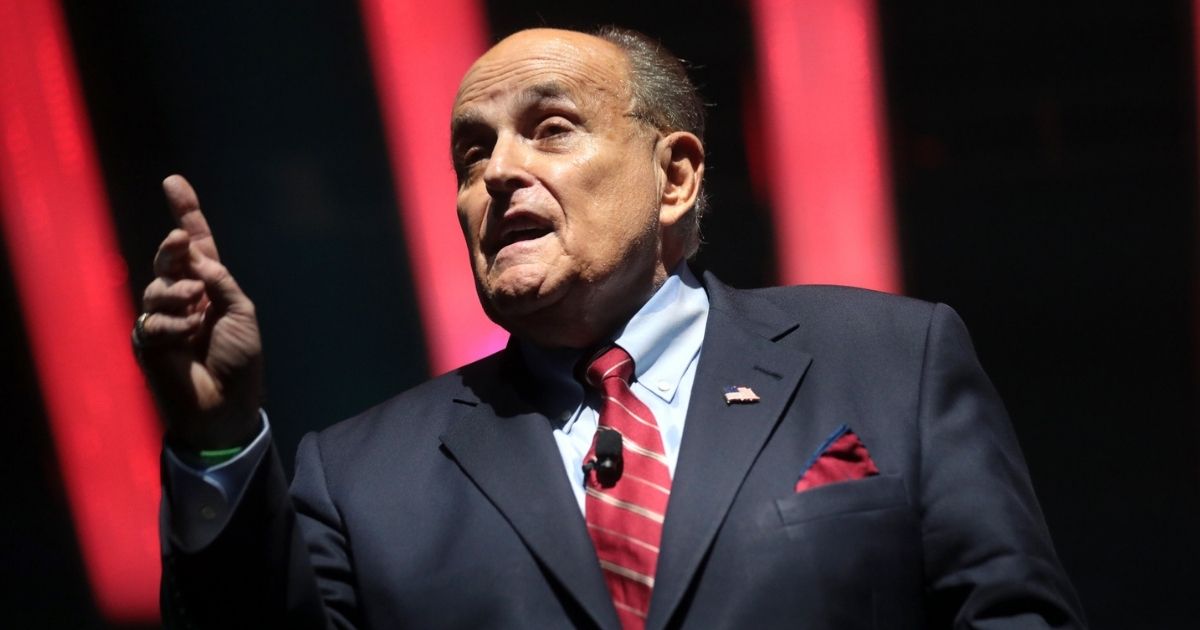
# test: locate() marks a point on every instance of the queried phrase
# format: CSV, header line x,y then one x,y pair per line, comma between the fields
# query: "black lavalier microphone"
x,y
608,462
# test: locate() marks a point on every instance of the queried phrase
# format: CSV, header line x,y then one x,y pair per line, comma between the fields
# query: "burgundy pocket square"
x,y
841,457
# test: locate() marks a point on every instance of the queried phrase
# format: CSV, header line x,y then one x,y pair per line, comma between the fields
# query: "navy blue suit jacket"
x,y
447,506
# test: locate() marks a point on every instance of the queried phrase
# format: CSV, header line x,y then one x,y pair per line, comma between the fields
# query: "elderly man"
x,y
652,449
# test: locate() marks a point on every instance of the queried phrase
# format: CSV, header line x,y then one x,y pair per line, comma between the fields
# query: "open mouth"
x,y
523,234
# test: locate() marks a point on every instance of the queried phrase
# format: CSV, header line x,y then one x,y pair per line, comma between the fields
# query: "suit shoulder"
x,y
419,412
841,319
832,294
849,306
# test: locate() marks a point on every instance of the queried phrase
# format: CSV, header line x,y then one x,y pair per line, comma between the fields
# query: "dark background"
x,y
1045,175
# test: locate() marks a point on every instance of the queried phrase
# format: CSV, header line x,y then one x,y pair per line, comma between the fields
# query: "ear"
x,y
681,163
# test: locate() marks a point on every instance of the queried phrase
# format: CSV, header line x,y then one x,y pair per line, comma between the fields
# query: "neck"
x,y
588,320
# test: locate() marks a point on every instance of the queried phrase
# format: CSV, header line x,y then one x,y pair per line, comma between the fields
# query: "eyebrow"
x,y
537,93
545,91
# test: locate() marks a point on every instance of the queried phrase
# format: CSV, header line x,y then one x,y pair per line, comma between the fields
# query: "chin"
x,y
506,304
544,319
505,307
521,289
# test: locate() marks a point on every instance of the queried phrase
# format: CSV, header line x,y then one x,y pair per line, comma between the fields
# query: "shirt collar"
x,y
666,333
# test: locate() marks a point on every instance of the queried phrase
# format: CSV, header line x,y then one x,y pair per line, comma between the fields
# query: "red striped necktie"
x,y
625,519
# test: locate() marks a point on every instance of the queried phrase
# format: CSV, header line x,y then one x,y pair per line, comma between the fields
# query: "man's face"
x,y
559,191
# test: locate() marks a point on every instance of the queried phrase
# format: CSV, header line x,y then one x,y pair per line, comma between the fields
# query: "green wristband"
x,y
220,455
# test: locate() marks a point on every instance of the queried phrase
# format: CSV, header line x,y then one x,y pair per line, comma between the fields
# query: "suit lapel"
x,y
508,451
720,441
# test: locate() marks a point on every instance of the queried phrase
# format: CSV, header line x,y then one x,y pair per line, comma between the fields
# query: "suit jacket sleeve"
x,y
989,559
261,570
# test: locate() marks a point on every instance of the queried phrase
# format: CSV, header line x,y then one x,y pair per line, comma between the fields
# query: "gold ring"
x,y
139,332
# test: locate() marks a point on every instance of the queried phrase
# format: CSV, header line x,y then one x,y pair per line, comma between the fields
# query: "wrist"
x,y
216,439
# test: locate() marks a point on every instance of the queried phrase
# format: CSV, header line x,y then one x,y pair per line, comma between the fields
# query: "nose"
x,y
507,167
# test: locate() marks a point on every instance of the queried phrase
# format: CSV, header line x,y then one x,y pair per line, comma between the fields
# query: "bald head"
x,y
574,206
597,60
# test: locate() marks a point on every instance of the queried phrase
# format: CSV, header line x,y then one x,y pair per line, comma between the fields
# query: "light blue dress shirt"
x,y
201,499
663,337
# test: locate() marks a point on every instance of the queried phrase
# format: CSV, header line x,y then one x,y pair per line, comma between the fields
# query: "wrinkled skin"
x,y
561,189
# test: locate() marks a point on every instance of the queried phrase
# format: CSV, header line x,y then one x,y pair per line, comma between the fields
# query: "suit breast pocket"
x,y
882,492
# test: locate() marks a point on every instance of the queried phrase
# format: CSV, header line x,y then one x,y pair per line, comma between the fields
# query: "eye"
x,y
473,154
552,127
467,160
471,142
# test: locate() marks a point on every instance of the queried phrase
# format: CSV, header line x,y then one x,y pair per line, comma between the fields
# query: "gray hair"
x,y
664,98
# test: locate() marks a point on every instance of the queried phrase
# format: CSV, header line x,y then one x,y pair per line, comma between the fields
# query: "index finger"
x,y
185,206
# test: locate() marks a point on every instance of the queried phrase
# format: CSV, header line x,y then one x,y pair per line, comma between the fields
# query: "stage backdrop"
x,y
1034,168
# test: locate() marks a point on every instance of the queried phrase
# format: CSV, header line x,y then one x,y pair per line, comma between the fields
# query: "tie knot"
x,y
614,362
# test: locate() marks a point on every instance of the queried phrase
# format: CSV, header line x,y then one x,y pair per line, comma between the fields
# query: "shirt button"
x,y
207,512
664,386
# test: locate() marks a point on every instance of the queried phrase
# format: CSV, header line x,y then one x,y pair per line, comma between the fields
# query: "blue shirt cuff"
x,y
200,500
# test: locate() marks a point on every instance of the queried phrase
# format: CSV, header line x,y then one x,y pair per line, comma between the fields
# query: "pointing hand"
x,y
198,340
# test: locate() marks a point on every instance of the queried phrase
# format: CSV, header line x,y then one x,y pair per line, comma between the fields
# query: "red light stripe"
x,y
1196,69
72,285
824,142
420,50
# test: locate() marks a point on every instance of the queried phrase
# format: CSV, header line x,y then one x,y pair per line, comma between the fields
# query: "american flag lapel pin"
x,y
740,394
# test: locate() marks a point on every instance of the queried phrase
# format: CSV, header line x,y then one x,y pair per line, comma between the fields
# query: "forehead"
x,y
579,67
